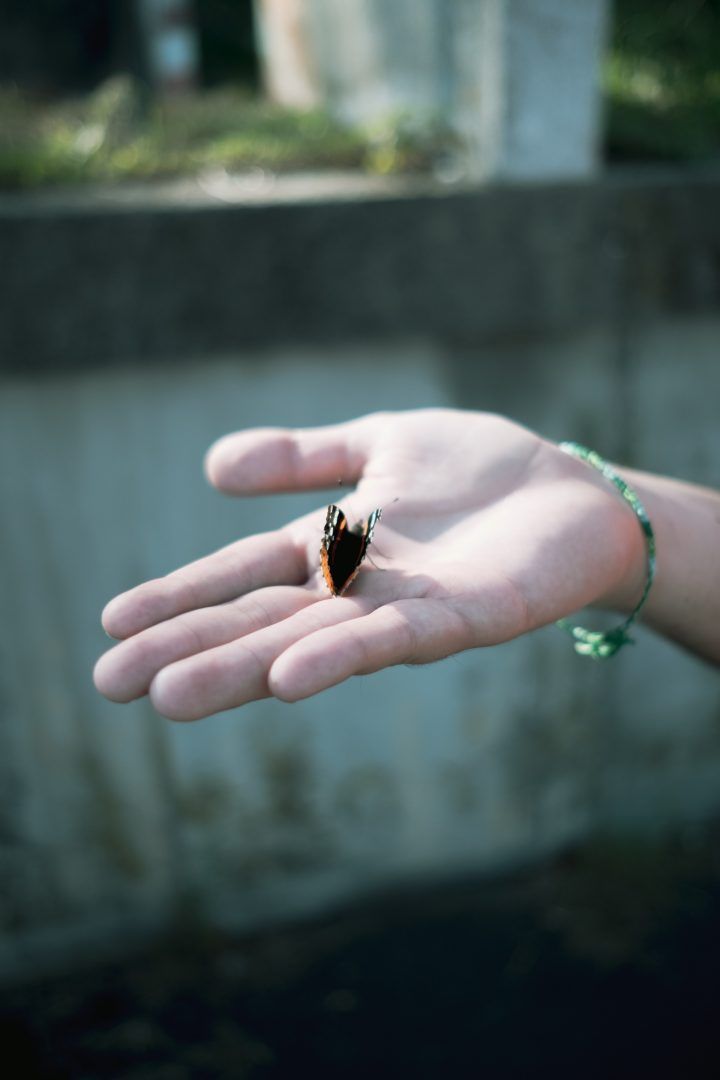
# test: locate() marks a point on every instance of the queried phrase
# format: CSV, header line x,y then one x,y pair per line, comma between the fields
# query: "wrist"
x,y
624,594
625,529
602,644
684,603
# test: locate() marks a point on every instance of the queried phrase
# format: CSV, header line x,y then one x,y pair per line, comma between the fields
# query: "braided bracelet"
x,y
595,643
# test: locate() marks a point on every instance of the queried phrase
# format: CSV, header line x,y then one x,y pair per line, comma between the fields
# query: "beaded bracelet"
x,y
595,643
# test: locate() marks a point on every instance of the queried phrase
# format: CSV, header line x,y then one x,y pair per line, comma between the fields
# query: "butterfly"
x,y
343,549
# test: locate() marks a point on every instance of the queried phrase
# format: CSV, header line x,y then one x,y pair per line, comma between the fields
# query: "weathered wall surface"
x,y
137,277
115,821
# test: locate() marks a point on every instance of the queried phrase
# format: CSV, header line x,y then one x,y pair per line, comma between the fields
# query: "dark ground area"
x,y
603,963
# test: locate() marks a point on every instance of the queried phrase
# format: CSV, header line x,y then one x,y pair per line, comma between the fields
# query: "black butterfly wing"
x,y
335,529
344,549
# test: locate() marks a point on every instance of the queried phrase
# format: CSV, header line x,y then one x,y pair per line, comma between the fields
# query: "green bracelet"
x,y
595,643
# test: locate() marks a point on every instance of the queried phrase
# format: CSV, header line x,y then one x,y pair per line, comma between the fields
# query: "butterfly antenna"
x,y
396,499
381,553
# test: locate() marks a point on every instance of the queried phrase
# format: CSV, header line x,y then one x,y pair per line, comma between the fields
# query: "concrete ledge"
x,y
134,274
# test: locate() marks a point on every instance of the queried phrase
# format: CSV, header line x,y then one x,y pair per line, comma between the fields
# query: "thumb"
x,y
289,459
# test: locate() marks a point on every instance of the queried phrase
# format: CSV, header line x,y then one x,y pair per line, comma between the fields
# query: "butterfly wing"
x,y
335,529
369,528
344,549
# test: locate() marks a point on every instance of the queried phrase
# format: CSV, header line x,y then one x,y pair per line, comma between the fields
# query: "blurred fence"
x,y
136,331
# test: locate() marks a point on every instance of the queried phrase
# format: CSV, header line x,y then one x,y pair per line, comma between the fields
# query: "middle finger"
x,y
235,673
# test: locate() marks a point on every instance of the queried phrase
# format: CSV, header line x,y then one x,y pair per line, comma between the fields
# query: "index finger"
x,y
273,558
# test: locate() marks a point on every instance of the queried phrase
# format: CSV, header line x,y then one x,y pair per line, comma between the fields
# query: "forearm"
x,y
684,602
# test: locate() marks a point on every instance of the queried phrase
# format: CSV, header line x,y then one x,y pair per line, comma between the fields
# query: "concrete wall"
x,y
115,822
137,277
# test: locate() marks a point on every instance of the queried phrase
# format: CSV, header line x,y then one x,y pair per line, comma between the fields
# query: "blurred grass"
x,y
662,81
117,134
661,87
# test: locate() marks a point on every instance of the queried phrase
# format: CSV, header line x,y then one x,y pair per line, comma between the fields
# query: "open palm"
x,y
494,532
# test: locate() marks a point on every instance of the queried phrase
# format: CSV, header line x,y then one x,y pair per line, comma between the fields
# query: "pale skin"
x,y
495,532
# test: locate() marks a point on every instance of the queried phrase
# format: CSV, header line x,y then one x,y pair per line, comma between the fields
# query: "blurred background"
x,y
224,213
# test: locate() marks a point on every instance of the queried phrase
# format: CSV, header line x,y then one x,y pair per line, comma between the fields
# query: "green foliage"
x,y
662,95
118,133
662,80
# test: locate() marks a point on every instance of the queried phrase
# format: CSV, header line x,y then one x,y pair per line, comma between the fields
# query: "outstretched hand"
x,y
495,532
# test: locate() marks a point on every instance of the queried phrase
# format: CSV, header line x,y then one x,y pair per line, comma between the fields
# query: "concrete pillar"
x,y
286,53
517,80
364,59
528,103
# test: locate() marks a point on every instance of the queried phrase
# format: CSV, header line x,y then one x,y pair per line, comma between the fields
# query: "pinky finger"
x,y
404,632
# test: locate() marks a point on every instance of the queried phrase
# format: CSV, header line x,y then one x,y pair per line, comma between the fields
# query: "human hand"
x,y
496,532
